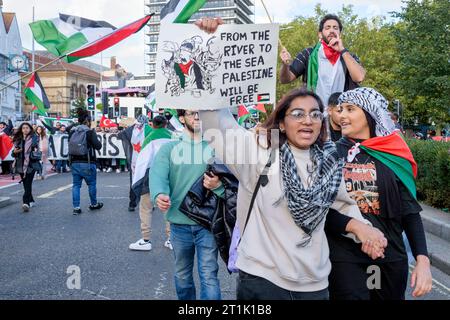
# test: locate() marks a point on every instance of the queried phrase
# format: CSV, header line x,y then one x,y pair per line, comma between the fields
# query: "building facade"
x,y
231,11
63,83
10,45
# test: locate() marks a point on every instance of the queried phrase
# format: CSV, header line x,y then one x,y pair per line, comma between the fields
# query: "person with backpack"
x,y
82,145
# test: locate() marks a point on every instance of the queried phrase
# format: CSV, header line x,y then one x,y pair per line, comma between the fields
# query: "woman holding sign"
x,y
288,181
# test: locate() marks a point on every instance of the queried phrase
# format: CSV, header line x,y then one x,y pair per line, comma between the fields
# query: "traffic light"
x,y
91,96
116,106
105,102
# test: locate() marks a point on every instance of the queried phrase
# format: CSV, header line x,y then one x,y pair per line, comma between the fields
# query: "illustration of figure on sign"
x,y
191,66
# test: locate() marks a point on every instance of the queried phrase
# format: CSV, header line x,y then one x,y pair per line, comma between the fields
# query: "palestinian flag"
x,y
257,108
6,146
34,91
108,40
150,147
180,11
393,151
243,114
79,37
67,33
265,97
314,64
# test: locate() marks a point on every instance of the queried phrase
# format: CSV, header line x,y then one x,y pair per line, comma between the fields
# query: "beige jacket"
x,y
268,248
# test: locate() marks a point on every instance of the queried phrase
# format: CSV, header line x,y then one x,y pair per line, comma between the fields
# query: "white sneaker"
x,y
168,244
126,169
109,170
98,170
118,171
104,169
32,204
141,245
25,207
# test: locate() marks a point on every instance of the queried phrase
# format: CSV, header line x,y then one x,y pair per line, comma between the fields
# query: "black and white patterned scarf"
x,y
374,104
309,206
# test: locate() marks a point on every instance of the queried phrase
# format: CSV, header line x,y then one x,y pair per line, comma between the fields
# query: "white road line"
x,y
17,179
434,280
53,192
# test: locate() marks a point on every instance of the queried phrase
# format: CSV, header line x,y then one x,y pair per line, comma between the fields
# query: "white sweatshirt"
x,y
268,248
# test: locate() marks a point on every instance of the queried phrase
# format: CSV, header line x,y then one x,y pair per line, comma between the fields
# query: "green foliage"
x,y
80,103
407,60
423,71
433,179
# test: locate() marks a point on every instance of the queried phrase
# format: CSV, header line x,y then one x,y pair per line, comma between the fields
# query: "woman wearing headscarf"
x,y
283,252
25,142
379,172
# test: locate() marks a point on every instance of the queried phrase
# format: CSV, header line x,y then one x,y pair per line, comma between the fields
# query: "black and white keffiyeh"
x,y
373,103
308,206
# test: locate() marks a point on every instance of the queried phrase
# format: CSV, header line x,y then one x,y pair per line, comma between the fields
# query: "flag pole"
x,y
271,21
32,64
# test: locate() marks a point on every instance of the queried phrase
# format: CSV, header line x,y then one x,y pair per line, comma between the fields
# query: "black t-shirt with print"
x,y
360,178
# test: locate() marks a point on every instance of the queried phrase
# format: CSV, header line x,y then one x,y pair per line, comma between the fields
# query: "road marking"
x,y
53,192
113,198
434,280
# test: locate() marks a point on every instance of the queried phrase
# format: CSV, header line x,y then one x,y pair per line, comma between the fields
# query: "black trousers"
x,y
133,198
27,182
6,167
250,287
357,281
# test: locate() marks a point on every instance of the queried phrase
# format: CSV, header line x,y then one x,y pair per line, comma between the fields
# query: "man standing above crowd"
x,y
319,66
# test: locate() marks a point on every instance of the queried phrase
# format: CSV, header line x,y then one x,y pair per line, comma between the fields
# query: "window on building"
x,y
153,28
153,38
124,111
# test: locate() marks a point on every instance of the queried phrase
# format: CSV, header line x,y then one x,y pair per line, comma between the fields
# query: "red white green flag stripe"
x,y
180,11
393,151
109,40
67,33
35,92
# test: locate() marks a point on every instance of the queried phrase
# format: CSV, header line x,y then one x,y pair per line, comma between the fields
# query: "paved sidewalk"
x,y
437,227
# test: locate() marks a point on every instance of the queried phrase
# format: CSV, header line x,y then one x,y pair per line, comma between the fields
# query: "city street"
x,y
40,249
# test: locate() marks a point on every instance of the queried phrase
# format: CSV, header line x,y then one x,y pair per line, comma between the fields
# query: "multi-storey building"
x,y
231,11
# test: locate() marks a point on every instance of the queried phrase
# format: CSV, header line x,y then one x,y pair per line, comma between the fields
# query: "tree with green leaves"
x,y
80,103
423,70
370,39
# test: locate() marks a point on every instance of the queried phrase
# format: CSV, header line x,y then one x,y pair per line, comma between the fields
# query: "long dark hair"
x,y
43,134
279,113
19,135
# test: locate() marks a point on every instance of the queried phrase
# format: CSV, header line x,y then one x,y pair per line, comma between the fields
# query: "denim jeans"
x,y
88,172
250,287
61,165
186,241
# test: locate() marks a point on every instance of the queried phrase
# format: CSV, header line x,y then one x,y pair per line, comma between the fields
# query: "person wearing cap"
x,y
378,165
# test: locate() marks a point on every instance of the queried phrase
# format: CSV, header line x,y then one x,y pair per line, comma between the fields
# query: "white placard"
x,y
112,147
236,65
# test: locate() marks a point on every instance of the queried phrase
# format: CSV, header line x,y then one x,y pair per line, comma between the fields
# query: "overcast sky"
x,y
130,53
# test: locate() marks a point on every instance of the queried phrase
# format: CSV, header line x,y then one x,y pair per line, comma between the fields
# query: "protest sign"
x,y
112,148
235,65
